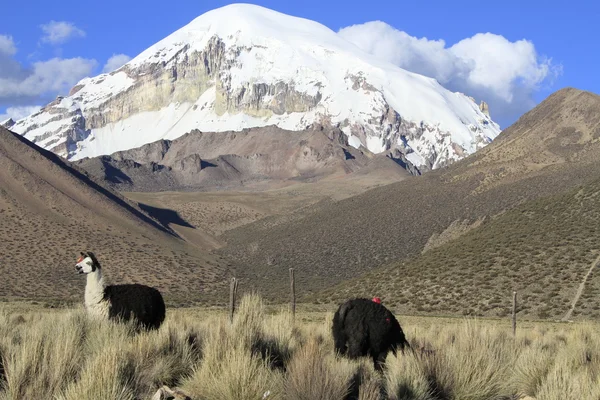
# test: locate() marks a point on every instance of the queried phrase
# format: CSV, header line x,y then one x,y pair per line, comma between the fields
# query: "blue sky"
x,y
519,51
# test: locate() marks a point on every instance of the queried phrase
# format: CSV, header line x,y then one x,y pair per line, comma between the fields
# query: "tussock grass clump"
x,y
39,363
67,355
366,384
471,363
406,378
314,376
576,368
104,376
162,359
64,355
232,368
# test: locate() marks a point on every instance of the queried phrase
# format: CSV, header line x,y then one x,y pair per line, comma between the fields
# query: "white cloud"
x,y
116,61
55,75
486,66
499,64
35,84
56,32
17,113
7,46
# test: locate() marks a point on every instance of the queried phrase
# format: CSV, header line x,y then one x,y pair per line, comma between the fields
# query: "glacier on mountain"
x,y
243,66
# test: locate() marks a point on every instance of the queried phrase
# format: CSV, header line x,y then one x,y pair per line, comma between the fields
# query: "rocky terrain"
x,y
251,158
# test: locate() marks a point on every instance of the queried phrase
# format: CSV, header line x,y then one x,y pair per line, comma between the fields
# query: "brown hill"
x,y
545,249
254,157
550,150
560,133
51,210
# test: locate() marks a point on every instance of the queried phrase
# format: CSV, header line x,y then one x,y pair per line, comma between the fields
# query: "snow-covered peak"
x,y
243,66
245,25
296,45
7,123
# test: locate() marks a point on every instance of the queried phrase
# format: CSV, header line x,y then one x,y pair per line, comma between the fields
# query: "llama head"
x,y
87,263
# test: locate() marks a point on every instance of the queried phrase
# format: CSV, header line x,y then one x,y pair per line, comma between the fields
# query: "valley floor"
x,y
265,354
201,218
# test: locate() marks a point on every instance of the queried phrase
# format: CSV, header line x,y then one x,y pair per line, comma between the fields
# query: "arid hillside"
x,y
550,150
51,210
545,249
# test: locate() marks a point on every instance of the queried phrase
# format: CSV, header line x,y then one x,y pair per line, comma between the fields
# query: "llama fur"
x,y
362,327
140,303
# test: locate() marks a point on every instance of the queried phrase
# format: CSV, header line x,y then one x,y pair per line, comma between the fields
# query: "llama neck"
x,y
94,289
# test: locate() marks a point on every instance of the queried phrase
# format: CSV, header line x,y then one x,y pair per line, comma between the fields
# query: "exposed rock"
x,y
483,106
166,393
360,82
203,160
54,102
400,158
8,123
455,229
75,89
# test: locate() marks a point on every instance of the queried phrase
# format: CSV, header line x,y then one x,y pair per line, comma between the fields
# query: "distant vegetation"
x,y
64,355
542,249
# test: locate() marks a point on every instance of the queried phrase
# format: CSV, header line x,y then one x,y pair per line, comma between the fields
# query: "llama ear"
x,y
93,257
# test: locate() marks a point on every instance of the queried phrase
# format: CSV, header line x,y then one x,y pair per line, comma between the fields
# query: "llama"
x,y
125,302
364,327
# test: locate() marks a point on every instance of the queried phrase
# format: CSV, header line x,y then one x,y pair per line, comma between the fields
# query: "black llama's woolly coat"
x,y
134,301
362,327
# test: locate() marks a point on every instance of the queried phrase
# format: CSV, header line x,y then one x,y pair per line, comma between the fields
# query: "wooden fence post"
x,y
514,314
232,294
293,293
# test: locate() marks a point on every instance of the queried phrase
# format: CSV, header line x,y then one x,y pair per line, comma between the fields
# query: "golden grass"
x,y
262,355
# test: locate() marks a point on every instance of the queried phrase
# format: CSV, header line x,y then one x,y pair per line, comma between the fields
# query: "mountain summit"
x,y
243,66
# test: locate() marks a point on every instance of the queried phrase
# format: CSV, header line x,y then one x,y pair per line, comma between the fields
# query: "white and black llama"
x,y
142,304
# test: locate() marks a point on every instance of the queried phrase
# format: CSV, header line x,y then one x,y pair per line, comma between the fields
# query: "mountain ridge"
x,y
251,158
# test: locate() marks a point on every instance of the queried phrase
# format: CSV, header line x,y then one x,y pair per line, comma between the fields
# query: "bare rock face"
x,y
210,160
8,123
166,393
483,106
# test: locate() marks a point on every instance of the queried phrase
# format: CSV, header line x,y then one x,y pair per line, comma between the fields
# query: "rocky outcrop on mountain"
x,y
485,109
8,123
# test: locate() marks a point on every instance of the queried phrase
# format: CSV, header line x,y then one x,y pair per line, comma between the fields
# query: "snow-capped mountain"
x,y
7,123
244,66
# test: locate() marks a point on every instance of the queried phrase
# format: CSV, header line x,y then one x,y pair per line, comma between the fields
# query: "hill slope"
x,y
244,66
543,249
255,157
531,159
51,210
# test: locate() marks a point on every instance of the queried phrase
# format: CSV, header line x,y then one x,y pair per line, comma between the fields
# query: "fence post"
x,y
232,294
514,314
293,293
